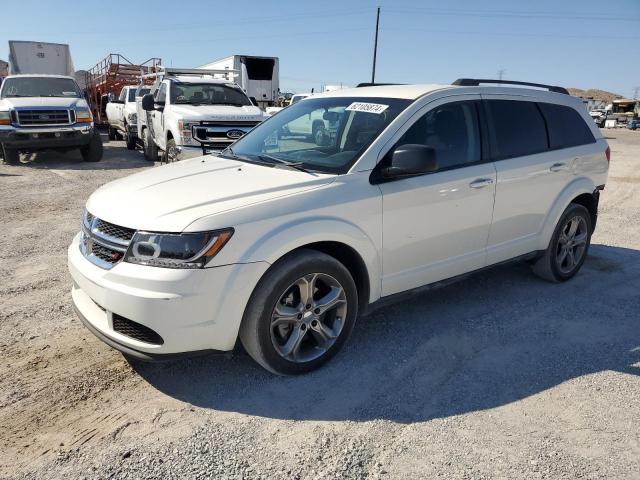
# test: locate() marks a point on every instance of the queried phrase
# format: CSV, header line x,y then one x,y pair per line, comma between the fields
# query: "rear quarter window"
x,y
566,126
518,128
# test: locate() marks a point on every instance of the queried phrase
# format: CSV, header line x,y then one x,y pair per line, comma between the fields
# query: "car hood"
x,y
26,102
218,112
171,197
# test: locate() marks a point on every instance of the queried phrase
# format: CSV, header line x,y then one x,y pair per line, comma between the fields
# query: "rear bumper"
x,y
77,135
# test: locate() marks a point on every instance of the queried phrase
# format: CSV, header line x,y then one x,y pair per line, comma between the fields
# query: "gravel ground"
x,y
499,376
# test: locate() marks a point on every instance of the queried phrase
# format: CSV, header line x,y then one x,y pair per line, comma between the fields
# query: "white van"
x,y
284,243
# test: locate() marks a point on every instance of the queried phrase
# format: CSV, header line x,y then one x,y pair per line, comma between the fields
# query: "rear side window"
x,y
566,126
518,128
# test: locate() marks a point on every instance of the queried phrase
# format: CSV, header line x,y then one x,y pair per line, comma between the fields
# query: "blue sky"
x,y
577,43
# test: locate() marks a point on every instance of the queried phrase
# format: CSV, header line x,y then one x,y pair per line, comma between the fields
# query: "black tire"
x,y
112,133
549,266
256,329
131,140
10,156
170,154
93,151
150,148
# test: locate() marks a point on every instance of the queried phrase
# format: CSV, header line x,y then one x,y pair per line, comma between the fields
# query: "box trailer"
x,y
40,58
259,77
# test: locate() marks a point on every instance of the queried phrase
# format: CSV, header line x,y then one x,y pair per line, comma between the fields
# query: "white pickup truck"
x,y
190,113
122,115
45,112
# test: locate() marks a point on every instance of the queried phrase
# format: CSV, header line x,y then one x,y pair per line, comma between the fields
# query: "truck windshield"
x,y
207,94
39,87
321,134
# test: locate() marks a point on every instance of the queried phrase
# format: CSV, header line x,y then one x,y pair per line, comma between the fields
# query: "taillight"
x,y
607,152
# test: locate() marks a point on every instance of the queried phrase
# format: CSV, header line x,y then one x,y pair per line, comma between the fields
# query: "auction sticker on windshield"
x,y
367,107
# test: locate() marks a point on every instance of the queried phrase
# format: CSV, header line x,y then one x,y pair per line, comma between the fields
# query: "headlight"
x,y
133,117
5,118
83,115
184,126
176,250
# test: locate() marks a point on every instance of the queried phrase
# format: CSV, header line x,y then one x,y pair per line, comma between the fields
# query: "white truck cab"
x,y
191,112
122,114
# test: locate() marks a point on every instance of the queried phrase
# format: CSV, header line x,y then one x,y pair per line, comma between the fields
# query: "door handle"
x,y
481,182
558,167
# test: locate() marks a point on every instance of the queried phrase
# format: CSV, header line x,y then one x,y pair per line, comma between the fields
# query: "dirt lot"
x,y
499,376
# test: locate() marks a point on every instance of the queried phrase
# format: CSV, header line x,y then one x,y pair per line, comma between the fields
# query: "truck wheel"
x,y
131,140
93,151
112,133
170,154
150,148
10,155
568,247
300,314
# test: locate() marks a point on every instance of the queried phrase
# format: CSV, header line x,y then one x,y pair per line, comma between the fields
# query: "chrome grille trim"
x,y
33,117
102,243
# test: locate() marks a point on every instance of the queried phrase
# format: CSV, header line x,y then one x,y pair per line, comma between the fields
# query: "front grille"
x,y
102,243
136,331
116,231
43,117
106,254
219,132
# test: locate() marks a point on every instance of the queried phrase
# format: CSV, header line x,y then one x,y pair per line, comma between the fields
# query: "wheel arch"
x,y
582,191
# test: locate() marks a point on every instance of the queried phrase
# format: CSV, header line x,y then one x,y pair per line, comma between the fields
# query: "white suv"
x,y
283,243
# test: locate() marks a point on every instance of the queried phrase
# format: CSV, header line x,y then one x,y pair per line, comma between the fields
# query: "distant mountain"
x,y
595,94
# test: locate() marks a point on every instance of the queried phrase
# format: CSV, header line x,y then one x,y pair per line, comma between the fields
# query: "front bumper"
x,y
40,138
192,310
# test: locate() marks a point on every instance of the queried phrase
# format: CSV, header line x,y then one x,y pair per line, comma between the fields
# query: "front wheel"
x,y
11,156
170,154
131,140
150,148
93,151
300,314
113,133
568,247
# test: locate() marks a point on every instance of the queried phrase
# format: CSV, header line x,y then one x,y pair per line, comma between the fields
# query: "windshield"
x,y
40,87
321,134
141,92
207,94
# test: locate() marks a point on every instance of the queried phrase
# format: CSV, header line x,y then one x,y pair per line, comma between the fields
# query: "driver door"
x,y
436,225
157,117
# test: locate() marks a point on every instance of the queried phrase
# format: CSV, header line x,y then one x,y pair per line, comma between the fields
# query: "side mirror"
x,y
330,117
409,160
148,102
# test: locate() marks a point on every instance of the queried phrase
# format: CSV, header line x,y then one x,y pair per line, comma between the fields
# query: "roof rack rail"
x,y
474,82
369,84
172,72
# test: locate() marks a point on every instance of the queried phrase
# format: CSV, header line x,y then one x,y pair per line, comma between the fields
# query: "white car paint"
x,y
408,233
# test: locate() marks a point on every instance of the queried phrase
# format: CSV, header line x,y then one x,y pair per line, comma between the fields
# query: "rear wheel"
x,y
300,314
112,133
568,247
93,151
11,156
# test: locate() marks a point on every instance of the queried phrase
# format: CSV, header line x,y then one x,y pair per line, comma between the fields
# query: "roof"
x,y
410,92
38,75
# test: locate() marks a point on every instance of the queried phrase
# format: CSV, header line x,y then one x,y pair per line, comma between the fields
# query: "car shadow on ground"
x,y
492,339
115,157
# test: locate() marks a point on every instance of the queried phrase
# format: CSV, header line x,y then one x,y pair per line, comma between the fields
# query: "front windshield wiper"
x,y
229,153
286,163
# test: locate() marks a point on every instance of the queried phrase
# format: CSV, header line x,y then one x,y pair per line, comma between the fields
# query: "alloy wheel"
x,y
572,244
308,317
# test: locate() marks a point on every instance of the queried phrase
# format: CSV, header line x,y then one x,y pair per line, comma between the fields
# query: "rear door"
x,y
435,226
529,175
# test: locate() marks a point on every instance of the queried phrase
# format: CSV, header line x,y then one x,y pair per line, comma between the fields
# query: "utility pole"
x,y
375,48
635,92
501,73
